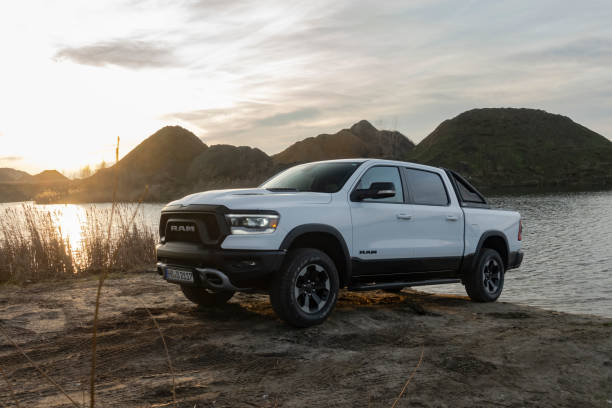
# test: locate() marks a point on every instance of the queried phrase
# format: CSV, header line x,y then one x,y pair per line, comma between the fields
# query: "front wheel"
x,y
305,290
486,281
206,297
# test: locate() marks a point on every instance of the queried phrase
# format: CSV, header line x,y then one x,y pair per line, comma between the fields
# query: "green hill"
x,y
505,148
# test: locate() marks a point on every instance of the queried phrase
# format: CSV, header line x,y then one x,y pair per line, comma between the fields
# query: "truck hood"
x,y
253,198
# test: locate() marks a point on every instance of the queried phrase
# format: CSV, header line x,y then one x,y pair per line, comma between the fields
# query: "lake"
x,y
567,240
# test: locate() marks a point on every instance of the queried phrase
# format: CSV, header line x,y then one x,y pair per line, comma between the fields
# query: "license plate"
x,y
179,275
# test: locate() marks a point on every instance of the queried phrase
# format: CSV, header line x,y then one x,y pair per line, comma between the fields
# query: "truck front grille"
x,y
200,227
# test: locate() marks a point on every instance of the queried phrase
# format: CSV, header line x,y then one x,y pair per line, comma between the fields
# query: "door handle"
x,y
452,218
403,216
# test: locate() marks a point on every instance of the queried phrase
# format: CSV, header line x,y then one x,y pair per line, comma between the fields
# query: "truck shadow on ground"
x,y
257,307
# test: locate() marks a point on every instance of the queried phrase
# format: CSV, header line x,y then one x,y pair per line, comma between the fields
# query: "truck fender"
x,y
322,228
469,260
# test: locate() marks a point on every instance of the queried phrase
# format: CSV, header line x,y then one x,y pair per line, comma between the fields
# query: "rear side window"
x,y
426,188
467,192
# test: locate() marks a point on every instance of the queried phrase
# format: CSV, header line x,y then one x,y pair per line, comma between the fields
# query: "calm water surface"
x,y
567,240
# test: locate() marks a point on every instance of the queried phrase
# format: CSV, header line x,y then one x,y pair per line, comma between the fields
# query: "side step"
x,y
395,285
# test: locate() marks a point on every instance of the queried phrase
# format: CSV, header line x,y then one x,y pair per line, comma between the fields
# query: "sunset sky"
x,y
77,74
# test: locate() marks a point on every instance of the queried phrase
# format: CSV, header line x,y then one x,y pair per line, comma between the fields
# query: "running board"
x,y
395,285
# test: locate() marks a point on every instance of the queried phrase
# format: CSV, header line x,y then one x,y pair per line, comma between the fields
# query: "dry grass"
x,y
168,359
33,247
397,400
128,244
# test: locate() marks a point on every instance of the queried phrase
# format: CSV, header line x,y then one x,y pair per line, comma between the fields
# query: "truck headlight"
x,y
252,223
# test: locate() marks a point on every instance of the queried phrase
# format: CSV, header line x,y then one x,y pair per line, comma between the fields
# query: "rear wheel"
x,y
305,290
206,297
486,281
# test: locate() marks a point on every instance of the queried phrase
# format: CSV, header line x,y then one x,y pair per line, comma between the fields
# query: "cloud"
x,y
128,53
409,65
267,73
289,117
586,50
10,158
242,125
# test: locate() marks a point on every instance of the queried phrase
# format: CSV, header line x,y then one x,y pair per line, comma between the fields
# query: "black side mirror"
x,y
376,190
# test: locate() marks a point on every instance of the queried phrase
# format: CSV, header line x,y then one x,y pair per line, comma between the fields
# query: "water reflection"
x,y
71,217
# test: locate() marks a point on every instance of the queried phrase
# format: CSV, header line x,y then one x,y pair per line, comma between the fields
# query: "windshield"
x,y
326,177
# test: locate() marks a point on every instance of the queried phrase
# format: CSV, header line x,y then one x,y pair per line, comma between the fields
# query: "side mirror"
x,y
376,190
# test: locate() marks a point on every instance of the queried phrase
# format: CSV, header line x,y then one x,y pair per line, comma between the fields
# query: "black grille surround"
x,y
196,223
185,248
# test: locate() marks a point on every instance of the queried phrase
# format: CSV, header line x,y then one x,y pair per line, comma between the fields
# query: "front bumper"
x,y
515,259
240,266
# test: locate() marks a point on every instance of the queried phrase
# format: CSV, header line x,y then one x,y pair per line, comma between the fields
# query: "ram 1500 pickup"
x,y
360,224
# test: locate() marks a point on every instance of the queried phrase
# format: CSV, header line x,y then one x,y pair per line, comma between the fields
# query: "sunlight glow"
x,y
75,75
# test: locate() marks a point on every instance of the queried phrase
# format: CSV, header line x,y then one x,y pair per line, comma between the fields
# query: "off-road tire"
x,y
485,282
306,273
206,297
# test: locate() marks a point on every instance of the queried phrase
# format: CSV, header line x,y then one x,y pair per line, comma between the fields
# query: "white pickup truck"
x,y
312,229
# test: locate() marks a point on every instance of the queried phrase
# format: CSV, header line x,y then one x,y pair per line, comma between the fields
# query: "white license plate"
x,y
179,275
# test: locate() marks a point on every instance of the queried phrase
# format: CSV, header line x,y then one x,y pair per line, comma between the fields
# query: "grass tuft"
x,y
33,248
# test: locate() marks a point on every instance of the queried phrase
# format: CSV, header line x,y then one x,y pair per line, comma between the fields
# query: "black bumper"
x,y
239,265
515,259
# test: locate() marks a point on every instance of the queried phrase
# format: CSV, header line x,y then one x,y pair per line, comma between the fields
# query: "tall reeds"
x,y
128,244
33,246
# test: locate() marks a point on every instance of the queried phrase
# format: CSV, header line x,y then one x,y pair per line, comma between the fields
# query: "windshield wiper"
x,y
277,189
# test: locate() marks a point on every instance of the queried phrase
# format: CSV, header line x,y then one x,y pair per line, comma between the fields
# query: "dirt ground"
x,y
243,356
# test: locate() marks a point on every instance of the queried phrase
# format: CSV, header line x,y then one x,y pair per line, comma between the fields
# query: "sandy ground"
x,y
243,356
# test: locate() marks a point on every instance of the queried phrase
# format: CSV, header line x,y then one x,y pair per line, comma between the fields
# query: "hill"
x,y
159,162
225,166
13,175
16,185
499,149
507,148
361,140
49,176
173,162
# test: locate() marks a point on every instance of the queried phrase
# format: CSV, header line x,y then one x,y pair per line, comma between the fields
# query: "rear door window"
x,y
426,187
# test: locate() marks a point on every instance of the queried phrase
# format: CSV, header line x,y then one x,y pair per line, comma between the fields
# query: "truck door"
x,y
380,241
436,227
